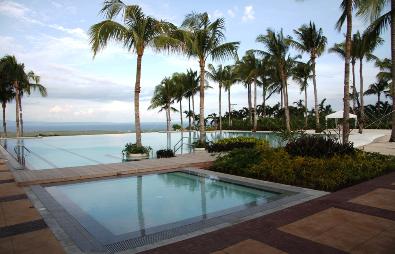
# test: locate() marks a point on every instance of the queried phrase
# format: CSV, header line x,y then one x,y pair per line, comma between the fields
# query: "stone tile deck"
x,y
358,219
30,177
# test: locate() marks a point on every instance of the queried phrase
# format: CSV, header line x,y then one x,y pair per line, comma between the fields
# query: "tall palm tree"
x,y
7,93
230,79
203,38
373,9
301,74
377,89
385,66
312,41
27,87
164,95
136,32
277,48
180,90
218,75
363,46
347,7
191,80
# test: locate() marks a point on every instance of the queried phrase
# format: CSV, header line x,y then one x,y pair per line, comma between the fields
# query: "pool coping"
x,y
73,236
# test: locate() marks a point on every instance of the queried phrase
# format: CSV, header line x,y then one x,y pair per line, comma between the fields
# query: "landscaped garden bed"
x,y
308,161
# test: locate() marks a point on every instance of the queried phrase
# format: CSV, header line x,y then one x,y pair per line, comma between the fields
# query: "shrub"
x,y
325,173
318,147
164,153
228,144
133,149
199,144
176,127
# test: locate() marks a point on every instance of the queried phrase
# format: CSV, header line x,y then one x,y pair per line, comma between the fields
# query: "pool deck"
x,y
32,177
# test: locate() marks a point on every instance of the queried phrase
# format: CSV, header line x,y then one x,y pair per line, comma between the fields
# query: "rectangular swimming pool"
x,y
74,151
160,205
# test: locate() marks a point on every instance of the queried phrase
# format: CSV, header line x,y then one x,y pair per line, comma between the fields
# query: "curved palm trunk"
x,y
229,108
137,88
305,107
21,114
317,113
4,105
362,109
201,120
219,107
346,101
182,121
255,115
16,86
392,139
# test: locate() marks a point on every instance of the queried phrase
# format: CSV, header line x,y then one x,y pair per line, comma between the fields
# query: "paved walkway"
x,y
30,177
381,145
359,219
22,230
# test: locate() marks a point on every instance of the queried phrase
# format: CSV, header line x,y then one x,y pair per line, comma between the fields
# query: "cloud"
x,y
13,9
231,13
249,13
78,32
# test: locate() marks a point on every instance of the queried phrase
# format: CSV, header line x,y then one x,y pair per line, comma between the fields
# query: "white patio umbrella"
x,y
339,115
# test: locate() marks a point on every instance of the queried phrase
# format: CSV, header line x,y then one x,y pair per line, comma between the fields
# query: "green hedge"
x,y
327,174
228,144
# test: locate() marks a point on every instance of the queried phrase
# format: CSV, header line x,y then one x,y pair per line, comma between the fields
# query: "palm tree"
x,y
377,89
218,75
312,41
31,85
277,47
7,93
373,9
164,95
203,38
301,74
230,79
136,32
180,90
364,46
191,84
347,7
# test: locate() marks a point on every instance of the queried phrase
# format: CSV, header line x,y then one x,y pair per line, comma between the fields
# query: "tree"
x,y
312,41
191,83
202,39
377,89
373,9
7,93
230,79
180,90
218,75
301,73
136,32
277,47
164,95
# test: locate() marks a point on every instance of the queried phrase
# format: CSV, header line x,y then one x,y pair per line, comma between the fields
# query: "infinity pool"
x,y
114,210
73,151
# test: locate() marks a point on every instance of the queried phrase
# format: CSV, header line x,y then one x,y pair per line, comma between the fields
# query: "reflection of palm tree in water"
x,y
140,205
203,197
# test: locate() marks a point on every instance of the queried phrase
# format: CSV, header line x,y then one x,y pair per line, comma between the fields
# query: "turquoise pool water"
x,y
117,209
73,151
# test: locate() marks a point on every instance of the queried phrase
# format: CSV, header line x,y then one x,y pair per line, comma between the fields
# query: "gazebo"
x,y
339,115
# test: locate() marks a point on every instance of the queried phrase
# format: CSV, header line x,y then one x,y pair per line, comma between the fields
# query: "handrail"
x,y
175,148
23,147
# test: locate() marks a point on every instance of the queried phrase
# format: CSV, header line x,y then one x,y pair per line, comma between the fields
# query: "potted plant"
x,y
199,146
132,152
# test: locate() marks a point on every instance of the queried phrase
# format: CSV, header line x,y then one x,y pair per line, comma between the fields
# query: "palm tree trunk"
x,y
201,121
219,107
346,101
362,109
229,108
286,109
4,105
182,122
264,100
317,113
167,118
249,102
392,139
137,101
282,98
305,107
255,115
189,112
21,114
193,109
16,86
354,89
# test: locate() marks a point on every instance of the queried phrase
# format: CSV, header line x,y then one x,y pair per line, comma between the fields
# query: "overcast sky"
x,y
50,37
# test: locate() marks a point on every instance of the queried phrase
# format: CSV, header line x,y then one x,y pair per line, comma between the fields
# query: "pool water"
x,y
117,209
73,151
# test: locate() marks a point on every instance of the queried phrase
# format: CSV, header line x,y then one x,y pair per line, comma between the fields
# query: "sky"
x,y
51,38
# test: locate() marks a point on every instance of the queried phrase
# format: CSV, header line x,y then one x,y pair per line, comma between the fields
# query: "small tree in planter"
x,y
133,152
199,145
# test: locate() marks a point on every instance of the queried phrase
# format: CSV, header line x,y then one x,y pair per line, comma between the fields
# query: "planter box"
x,y
199,149
136,156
